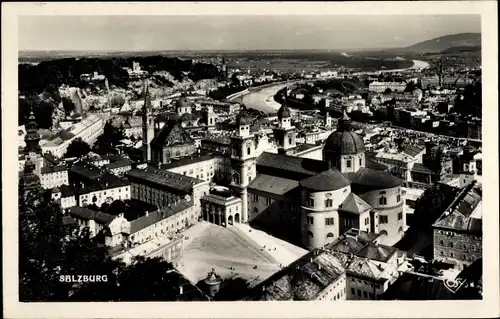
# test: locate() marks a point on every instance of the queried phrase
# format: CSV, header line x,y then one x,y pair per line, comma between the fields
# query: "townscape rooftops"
x,y
421,168
304,279
413,150
88,214
377,252
53,169
158,215
105,181
328,180
86,170
273,184
459,215
119,163
163,178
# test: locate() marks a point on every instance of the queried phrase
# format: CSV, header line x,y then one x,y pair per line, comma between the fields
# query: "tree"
x,y
410,87
388,91
68,105
432,204
49,248
110,138
77,148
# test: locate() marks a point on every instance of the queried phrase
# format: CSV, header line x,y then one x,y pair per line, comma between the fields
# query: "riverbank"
x,y
263,100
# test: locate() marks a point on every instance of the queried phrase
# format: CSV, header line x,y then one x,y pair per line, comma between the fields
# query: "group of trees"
x,y
77,148
106,143
470,103
50,249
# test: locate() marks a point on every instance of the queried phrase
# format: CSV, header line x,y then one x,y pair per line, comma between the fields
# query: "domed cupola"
x,y
344,149
243,123
183,105
284,111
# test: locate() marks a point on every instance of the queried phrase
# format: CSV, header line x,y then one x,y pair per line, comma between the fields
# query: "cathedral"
x,y
315,199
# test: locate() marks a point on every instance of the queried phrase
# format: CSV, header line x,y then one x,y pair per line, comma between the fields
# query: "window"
x,y
353,291
398,198
310,220
289,141
268,201
248,150
359,293
367,220
329,235
400,215
347,223
451,244
255,197
310,202
329,202
360,162
441,242
348,163
400,230
452,254
383,219
382,201
365,294
329,221
310,234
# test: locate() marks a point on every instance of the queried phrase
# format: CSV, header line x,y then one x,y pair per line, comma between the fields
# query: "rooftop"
x,y
158,215
88,214
354,204
187,161
328,180
163,178
289,166
272,184
460,215
374,179
304,279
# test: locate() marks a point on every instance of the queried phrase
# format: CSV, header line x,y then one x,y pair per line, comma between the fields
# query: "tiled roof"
x,y
377,252
354,204
370,178
421,168
88,214
272,184
66,191
171,134
346,245
86,170
159,215
369,163
304,279
163,179
458,215
119,163
288,166
53,169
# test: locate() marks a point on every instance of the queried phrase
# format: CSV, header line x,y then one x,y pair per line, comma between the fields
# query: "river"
x,y
263,100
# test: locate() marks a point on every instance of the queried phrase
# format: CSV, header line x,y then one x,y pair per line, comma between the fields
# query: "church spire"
x,y
146,107
344,122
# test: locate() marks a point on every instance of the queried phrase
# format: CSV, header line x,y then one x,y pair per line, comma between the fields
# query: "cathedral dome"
x,y
343,141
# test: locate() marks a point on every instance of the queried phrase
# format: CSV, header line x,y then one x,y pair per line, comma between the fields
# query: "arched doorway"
x,y
230,220
237,217
211,217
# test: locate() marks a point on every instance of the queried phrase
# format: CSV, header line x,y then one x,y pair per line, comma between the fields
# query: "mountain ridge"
x,y
445,42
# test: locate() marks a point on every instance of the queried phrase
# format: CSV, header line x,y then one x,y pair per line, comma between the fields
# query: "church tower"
x,y
328,120
147,124
224,69
210,118
32,150
29,181
243,161
285,134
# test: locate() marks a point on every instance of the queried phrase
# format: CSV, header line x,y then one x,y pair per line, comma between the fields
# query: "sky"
x,y
202,32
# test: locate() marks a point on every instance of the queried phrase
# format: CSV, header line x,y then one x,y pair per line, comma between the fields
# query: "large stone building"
x,y
458,231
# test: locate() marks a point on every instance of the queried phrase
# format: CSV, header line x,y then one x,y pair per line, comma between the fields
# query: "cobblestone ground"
x,y
230,252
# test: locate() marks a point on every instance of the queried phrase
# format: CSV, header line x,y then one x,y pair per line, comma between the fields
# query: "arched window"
x,y
451,244
177,153
329,235
310,234
290,140
441,243
382,200
248,150
383,233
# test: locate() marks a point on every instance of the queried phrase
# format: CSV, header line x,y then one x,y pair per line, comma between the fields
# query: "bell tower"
x,y
243,161
32,150
147,124
285,133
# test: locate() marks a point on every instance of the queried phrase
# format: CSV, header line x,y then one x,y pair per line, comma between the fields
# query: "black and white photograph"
x,y
218,157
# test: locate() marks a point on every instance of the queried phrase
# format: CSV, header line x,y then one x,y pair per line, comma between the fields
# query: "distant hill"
x,y
445,43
